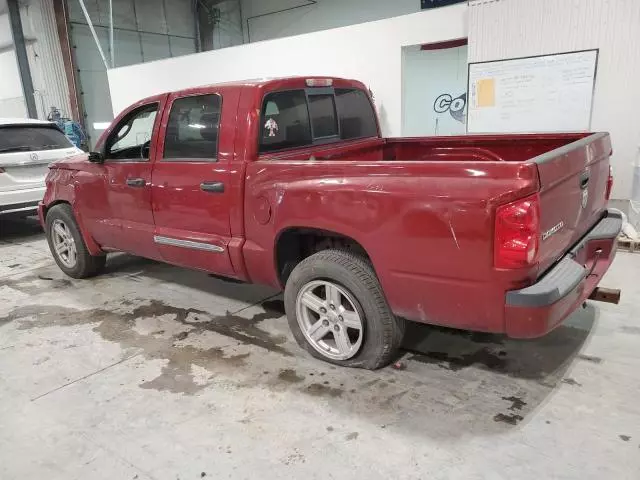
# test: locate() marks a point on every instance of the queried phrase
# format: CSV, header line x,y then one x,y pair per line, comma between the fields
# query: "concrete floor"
x,y
154,372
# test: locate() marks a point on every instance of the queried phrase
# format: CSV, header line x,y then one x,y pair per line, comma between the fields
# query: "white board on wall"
x,y
547,93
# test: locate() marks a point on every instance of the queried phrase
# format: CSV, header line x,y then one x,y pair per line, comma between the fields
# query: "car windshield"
x,y
29,138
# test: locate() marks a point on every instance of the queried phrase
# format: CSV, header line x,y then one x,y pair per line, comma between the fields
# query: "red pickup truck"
x,y
289,183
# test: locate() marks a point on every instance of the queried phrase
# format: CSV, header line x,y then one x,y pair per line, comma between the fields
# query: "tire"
x,y
85,264
360,295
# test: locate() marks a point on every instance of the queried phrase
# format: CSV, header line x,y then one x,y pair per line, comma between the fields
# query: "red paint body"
x,y
422,208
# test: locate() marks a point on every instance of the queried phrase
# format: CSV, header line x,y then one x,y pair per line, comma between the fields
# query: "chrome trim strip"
x,y
174,242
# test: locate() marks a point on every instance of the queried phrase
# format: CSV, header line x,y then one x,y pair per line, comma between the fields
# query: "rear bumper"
x,y
24,208
535,310
21,202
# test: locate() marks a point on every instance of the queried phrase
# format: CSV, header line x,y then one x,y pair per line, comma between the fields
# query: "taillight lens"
x,y
609,184
517,233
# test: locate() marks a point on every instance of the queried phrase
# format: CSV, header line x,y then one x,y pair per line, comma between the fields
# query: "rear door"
x,y
25,153
573,189
191,191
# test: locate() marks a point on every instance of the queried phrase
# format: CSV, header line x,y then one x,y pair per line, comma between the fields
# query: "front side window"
x,y
131,138
357,118
192,129
285,121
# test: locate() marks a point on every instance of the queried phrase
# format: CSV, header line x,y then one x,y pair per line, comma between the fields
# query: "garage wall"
x,y
371,52
11,98
434,89
322,15
45,63
227,29
144,31
45,59
517,28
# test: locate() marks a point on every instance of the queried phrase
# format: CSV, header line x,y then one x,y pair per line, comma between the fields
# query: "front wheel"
x,y
338,313
67,245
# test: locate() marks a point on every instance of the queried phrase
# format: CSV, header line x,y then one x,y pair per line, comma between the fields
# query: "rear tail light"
x,y
1,170
517,233
609,184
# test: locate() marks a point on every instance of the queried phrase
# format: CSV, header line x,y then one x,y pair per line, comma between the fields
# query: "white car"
x,y
27,147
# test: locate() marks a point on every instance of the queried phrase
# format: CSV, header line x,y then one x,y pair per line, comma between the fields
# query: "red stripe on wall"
x,y
442,45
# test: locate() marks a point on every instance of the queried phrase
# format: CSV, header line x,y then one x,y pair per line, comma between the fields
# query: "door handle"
x,y
212,187
136,182
584,180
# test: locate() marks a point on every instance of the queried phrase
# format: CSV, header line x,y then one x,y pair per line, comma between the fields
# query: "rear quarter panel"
x,y
427,227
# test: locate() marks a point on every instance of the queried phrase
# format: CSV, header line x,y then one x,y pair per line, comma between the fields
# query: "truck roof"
x,y
261,82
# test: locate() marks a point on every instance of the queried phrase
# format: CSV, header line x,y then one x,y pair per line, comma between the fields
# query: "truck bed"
x,y
471,148
437,199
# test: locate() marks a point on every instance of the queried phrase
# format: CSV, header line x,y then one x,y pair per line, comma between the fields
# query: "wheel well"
x,y
53,204
296,244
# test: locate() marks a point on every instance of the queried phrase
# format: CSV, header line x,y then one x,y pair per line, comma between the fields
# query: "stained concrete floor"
x,y
155,372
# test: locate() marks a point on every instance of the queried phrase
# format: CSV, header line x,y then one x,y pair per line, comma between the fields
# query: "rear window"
x,y
299,118
357,118
323,116
30,138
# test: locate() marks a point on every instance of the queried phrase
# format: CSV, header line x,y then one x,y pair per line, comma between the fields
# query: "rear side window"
x,y
31,138
193,127
357,118
285,121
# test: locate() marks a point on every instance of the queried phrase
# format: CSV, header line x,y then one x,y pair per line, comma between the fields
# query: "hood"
x,y
74,159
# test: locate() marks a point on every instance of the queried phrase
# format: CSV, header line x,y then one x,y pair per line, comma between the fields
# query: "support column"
x,y
21,55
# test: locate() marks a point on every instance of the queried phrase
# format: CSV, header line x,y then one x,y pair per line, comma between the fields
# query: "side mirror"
x,y
96,157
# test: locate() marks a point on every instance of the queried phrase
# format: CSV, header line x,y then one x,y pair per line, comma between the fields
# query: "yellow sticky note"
x,y
486,91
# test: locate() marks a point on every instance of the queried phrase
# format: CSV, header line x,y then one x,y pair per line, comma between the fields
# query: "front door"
x,y
127,151
191,191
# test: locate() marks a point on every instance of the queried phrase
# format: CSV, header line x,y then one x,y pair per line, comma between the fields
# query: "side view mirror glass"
x,y
96,157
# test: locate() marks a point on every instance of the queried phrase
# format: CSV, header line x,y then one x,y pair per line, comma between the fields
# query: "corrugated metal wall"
x,y
45,60
515,28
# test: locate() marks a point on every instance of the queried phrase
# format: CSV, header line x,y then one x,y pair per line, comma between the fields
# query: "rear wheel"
x,y
337,311
67,245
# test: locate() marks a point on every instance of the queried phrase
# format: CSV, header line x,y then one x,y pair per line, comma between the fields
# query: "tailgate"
x,y
573,184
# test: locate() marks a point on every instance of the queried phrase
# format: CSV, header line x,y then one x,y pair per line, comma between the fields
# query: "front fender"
x,y
61,188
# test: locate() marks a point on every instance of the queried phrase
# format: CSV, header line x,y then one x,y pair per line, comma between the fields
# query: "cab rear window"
x,y
29,138
357,118
301,118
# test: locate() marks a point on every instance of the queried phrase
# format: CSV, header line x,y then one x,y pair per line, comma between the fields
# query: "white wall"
x,y
11,98
370,52
518,28
12,102
427,76
323,15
